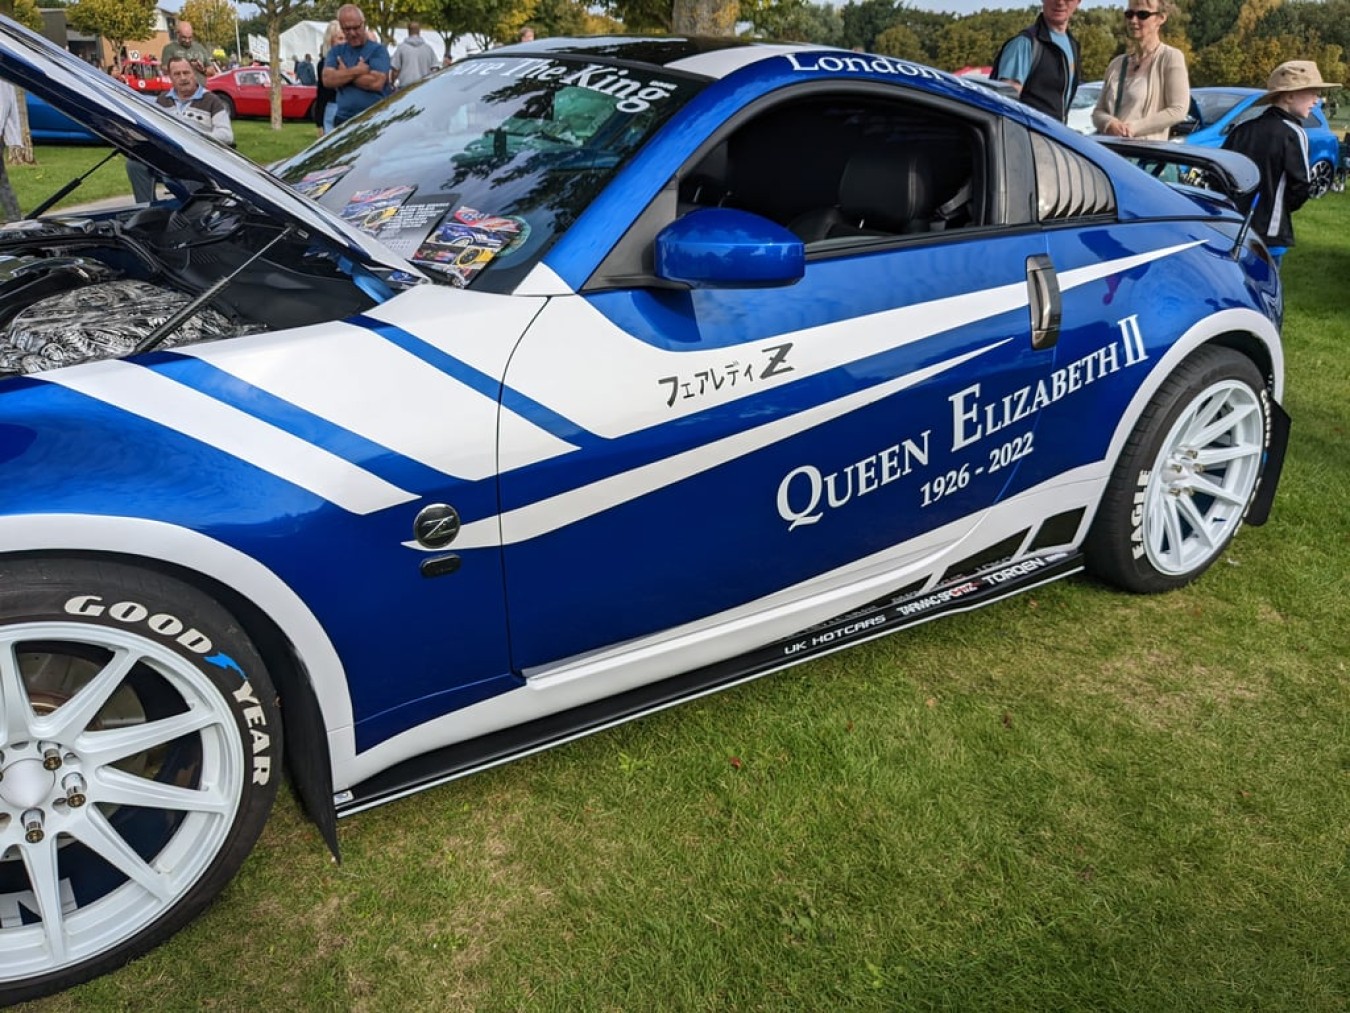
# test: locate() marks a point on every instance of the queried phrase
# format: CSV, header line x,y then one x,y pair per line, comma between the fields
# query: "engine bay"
x,y
77,289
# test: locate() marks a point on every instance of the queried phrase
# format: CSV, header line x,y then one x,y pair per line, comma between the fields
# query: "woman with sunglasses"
x,y
1146,90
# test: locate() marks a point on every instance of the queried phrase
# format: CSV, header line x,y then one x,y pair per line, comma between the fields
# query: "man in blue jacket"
x,y
357,68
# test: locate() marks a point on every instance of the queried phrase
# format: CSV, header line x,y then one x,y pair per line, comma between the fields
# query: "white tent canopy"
x,y
307,37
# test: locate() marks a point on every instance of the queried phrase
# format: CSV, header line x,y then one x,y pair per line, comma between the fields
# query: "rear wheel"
x,y
1182,484
138,734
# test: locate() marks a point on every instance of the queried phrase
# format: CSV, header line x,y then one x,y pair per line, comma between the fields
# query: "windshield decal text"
x,y
635,95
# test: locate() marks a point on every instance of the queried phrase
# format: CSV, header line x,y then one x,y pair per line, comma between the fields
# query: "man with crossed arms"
x,y
357,68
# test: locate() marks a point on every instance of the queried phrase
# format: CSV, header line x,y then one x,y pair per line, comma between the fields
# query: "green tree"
x,y
975,40
927,26
26,13
486,22
212,22
793,21
10,210
900,41
704,17
1327,20
386,15
1101,35
118,21
558,17
1208,21
864,20
642,15
274,13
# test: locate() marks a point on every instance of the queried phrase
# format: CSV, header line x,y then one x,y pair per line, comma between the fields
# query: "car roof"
x,y
770,64
1228,90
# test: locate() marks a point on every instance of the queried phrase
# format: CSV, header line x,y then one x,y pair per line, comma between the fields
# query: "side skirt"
x,y
890,615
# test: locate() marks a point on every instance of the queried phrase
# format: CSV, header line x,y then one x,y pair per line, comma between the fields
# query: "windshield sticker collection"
x,y
370,209
467,241
316,184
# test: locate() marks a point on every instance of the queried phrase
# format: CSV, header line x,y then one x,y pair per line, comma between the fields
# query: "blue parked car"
x,y
50,126
1216,111
579,379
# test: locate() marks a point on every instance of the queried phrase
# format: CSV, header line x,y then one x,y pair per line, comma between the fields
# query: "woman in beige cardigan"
x,y
1146,90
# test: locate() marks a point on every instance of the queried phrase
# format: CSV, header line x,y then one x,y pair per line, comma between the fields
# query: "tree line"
x,y
1226,42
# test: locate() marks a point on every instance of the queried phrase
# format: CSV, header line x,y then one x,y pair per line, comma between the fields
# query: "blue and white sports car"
x,y
583,377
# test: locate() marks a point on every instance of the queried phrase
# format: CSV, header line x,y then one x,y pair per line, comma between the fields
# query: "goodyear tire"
x,y
140,753
1188,472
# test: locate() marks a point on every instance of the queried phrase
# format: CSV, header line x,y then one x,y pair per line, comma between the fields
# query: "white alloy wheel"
x,y
1203,478
130,743
1180,489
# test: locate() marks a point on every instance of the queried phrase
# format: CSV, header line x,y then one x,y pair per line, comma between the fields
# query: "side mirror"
x,y
1186,127
726,248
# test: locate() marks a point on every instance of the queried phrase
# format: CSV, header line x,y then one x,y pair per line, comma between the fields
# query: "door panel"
x,y
849,417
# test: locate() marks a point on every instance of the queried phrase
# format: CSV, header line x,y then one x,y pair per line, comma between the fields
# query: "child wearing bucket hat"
x,y
1275,141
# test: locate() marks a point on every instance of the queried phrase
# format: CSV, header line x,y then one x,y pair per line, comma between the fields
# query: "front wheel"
x,y
1320,178
139,757
1183,482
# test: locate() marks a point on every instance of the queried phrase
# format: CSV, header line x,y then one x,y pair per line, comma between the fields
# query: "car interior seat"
x,y
882,191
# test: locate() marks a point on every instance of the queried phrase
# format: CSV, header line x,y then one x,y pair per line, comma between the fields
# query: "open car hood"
x,y
140,130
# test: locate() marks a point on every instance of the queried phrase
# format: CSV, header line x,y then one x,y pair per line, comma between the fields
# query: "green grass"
x,y
58,163
1075,800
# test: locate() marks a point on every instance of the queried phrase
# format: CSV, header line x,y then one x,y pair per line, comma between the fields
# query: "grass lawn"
x,y
59,163
1077,799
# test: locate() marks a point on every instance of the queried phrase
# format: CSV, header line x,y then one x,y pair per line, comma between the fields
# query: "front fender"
x,y
191,551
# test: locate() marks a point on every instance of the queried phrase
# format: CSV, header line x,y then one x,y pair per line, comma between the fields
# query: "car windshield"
x,y
1214,105
473,173
1086,96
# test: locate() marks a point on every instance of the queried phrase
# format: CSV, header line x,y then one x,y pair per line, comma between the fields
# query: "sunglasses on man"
x,y
1141,15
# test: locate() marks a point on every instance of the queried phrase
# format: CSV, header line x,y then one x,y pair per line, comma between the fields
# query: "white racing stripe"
x,y
355,379
577,504
1095,272
592,399
833,345
147,394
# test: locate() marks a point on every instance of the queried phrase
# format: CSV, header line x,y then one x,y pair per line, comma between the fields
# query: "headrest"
x,y
887,188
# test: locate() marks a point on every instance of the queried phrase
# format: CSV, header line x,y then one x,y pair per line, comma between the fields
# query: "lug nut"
x,y
32,826
51,756
73,784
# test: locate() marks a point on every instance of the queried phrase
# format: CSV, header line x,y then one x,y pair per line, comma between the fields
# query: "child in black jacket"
x,y
1275,141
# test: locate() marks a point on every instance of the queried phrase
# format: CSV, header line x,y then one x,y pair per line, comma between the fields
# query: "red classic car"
x,y
248,92
144,74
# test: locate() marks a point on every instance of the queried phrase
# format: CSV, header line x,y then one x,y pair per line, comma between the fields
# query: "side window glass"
x,y
838,169
1067,184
